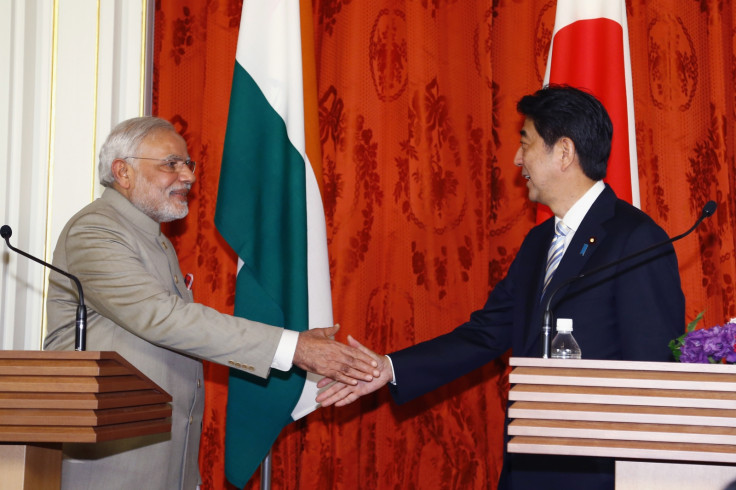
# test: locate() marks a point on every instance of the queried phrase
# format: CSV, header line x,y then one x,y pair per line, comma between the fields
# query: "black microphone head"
x,y
6,232
709,209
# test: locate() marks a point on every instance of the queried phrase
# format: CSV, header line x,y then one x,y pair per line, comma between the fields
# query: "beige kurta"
x,y
139,306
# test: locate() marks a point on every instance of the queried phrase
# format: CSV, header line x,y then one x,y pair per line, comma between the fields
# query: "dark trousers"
x,y
547,472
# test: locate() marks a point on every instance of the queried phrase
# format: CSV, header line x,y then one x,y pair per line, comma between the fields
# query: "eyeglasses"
x,y
171,165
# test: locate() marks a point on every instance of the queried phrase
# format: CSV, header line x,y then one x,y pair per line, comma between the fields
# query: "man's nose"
x,y
517,158
186,175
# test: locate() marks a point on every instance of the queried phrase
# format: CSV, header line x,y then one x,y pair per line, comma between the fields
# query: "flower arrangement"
x,y
714,345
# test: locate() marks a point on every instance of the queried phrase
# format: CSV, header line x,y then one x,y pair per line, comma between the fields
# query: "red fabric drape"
x,y
425,209
194,52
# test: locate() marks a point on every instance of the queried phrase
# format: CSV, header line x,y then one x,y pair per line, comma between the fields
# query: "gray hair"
x,y
123,141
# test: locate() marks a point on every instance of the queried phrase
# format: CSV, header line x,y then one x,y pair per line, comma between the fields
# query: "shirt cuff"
x,y
284,357
393,373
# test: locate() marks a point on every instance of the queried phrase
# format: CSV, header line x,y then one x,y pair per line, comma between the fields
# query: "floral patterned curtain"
x,y
425,209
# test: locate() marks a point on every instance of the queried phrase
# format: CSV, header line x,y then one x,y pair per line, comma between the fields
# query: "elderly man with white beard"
x,y
138,305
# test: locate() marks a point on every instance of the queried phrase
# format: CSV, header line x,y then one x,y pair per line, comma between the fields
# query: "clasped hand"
x,y
340,393
318,352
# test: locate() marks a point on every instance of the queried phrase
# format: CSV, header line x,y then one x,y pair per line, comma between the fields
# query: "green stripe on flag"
x,y
261,213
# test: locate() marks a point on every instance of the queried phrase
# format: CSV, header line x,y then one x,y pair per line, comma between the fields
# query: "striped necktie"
x,y
555,252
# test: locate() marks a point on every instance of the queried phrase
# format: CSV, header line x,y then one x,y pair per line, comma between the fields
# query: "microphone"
x,y
708,210
80,332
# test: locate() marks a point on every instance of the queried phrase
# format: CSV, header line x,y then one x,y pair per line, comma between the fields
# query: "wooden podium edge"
x,y
80,355
138,415
65,434
686,452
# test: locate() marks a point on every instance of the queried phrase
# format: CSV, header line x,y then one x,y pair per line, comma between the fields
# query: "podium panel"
x,y
30,466
51,397
627,409
648,475
70,396
636,412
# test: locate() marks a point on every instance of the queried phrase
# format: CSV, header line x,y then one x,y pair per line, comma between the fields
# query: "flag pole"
x,y
266,472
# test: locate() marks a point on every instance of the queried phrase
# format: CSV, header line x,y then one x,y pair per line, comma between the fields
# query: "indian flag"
x,y
269,209
590,50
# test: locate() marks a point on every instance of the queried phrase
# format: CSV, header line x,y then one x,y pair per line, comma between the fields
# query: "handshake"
x,y
350,371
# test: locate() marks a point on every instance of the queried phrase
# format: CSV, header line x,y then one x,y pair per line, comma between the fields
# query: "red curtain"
x,y
424,208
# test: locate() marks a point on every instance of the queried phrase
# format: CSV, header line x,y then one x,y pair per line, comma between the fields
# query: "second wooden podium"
x,y
668,425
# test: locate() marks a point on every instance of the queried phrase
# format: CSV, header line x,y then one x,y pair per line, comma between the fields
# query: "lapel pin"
x,y
591,241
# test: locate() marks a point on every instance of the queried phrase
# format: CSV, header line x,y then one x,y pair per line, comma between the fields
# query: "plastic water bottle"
x,y
564,345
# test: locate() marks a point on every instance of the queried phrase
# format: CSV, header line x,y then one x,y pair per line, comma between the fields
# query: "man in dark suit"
x,y
630,312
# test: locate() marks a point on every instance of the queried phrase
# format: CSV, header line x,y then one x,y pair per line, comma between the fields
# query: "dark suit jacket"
x,y
628,312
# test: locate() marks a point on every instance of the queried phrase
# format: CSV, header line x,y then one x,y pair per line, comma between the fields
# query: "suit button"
x,y
191,419
199,383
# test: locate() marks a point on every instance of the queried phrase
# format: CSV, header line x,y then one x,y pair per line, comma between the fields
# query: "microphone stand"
x,y
708,210
80,332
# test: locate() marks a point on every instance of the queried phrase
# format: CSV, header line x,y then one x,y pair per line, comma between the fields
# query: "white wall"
x,y
69,71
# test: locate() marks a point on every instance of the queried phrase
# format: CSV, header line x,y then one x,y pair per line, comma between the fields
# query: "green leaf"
x,y
691,326
675,345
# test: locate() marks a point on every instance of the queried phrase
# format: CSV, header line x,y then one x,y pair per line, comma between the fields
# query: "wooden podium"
x,y
668,425
51,397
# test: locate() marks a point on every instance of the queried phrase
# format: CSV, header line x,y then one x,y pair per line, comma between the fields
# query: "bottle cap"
x,y
564,324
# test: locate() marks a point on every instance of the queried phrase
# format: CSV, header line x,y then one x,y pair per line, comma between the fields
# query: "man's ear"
x,y
121,172
566,148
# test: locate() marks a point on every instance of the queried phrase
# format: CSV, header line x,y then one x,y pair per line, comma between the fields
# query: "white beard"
x,y
155,205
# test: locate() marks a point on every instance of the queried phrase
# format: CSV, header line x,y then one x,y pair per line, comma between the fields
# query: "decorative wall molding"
x,y
71,70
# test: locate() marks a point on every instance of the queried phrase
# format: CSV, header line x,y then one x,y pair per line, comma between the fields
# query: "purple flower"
x,y
730,332
717,345
692,348
710,345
